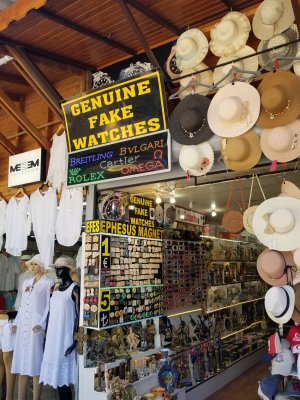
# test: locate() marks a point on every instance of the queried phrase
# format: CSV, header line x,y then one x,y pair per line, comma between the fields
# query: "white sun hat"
x,y
279,303
248,64
196,160
191,49
234,109
272,17
290,189
230,34
276,223
203,77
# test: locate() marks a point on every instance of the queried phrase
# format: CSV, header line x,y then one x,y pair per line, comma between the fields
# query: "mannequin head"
x,y
63,268
63,273
35,265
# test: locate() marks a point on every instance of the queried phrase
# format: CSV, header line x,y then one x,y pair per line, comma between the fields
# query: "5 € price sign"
x,y
105,252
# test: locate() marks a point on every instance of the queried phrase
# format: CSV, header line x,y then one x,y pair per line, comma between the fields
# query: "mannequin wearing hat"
x,y
29,328
59,361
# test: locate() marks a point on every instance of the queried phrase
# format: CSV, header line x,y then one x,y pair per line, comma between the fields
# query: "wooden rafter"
x,y
43,12
7,144
36,79
229,5
9,106
5,77
155,17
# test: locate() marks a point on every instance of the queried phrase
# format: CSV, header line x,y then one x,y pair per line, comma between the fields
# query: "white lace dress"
x,y
58,370
58,164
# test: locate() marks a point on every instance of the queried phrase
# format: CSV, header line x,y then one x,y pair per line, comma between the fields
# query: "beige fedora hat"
x,y
249,64
272,267
289,50
276,223
230,34
234,109
280,99
290,189
196,160
203,77
171,66
272,17
191,49
241,153
281,143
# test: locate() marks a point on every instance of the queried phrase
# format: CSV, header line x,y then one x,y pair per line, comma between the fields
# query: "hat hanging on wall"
x,y
188,122
276,223
196,160
234,109
282,143
203,77
296,312
290,189
171,66
101,79
230,34
249,64
280,99
296,63
289,50
272,17
272,267
191,49
242,152
279,303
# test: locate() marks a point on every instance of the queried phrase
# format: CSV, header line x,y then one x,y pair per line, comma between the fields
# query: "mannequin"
x,y
59,361
29,328
8,345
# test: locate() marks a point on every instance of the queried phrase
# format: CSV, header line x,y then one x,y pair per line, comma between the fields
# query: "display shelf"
x,y
235,283
231,261
228,240
242,330
137,356
234,305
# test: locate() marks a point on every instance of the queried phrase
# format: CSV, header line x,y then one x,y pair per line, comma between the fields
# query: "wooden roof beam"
x,y
9,106
46,54
36,79
156,18
81,29
230,6
5,77
7,144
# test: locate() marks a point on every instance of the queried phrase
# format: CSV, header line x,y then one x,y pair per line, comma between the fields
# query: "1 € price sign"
x,y
105,252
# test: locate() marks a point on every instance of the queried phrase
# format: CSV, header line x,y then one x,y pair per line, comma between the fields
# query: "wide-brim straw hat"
x,y
171,66
290,189
248,64
248,218
280,303
188,122
230,34
272,17
281,143
280,99
36,259
276,223
289,50
271,267
234,109
191,49
203,77
296,312
241,153
196,160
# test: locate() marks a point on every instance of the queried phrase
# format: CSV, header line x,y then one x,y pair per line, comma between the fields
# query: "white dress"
x,y
58,370
17,225
58,164
28,354
69,218
2,220
43,210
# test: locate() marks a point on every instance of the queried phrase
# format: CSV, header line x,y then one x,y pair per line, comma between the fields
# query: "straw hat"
x,y
230,34
234,109
290,50
197,160
280,99
276,223
279,303
171,66
191,49
188,122
290,189
281,143
36,259
296,63
249,64
64,261
272,17
248,218
203,77
242,152
271,267
296,257
296,312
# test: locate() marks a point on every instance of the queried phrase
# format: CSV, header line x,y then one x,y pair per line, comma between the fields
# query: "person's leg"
x,y
37,388
22,387
2,373
10,378
64,393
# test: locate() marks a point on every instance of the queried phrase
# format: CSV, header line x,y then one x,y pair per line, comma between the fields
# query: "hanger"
x,y
20,191
59,131
44,185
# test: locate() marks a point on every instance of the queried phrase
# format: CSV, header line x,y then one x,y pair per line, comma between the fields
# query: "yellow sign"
x,y
104,300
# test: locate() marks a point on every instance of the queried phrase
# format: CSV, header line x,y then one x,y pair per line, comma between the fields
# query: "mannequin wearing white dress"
x,y
29,328
59,366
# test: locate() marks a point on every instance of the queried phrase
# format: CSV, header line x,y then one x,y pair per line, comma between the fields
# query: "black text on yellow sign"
x,y
122,228
104,300
116,112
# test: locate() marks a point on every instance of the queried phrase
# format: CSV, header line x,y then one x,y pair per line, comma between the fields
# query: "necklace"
x,y
193,133
273,115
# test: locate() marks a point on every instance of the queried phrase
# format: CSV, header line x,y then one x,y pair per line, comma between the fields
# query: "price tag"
x,y
105,252
104,300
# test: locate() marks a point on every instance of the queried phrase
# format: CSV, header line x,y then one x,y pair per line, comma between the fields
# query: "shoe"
x,y
267,388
